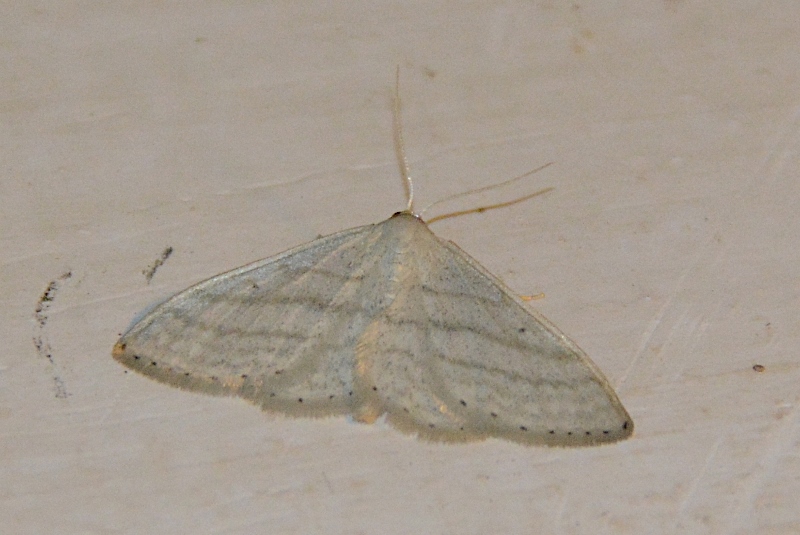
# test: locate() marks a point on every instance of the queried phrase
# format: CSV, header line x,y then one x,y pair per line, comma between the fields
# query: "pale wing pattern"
x,y
280,332
459,357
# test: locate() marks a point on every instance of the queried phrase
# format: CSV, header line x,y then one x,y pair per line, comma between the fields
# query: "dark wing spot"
x,y
464,403
299,400
494,414
523,428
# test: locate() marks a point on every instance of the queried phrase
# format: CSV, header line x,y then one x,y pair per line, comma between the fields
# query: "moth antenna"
x,y
400,146
487,188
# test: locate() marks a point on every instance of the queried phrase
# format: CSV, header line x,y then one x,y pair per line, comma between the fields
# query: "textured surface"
x,y
231,130
381,319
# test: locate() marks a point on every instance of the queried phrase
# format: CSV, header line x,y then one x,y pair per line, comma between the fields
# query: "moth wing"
x,y
279,332
458,357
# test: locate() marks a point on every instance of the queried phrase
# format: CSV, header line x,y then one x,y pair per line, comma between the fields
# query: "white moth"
x,y
384,319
